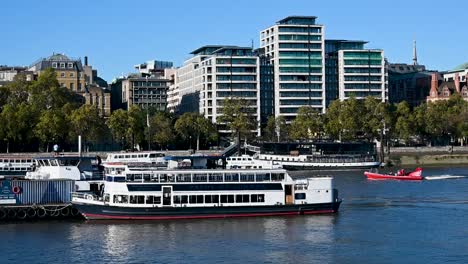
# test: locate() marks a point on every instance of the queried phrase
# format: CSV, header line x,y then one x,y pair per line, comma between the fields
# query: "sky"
x,y
118,34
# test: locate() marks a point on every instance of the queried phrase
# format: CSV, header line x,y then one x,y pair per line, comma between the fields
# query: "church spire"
x,y
415,56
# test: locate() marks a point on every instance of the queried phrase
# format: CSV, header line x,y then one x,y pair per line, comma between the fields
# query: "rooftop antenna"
x,y
252,43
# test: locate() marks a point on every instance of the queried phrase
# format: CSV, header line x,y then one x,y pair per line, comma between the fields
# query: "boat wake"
x,y
444,177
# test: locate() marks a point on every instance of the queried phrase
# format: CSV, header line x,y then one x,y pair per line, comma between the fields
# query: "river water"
x,y
378,222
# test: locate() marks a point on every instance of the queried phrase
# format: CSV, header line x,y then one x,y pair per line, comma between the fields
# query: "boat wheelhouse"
x,y
206,193
82,170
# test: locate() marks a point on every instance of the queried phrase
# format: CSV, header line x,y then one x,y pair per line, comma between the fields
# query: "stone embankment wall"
x,y
428,156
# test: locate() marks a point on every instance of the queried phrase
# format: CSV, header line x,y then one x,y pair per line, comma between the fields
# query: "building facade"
x,y
70,72
100,97
213,74
145,92
295,47
442,90
8,74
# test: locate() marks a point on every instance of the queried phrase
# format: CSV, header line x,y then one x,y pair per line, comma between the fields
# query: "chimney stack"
x,y
86,60
457,82
434,83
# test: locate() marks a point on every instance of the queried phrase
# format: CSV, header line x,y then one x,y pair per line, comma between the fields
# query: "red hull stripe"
x,y
101,216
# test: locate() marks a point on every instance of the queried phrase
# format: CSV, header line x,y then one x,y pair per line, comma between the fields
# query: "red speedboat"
x,y
415,175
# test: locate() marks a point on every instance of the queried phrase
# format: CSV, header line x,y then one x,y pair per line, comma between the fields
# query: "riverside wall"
x,y
428,156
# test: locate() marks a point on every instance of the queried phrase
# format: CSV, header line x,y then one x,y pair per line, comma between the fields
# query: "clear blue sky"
x,y
116,35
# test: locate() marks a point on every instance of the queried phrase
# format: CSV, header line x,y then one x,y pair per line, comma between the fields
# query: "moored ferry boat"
x,y
249,162
207,193
321,155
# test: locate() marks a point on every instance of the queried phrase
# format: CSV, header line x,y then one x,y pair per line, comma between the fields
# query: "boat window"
x,y
208,199
137,199
130,177
53,163
223,198
120,198
277,176
138,177
163,177
231,177
106,197
300,196
127,156
215,177
199,177
183,178
246,177
150,199
146,177
257,198
193,199
184,199
242,198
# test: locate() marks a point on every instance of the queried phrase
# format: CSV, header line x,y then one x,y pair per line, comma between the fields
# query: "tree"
x,y
162,131
238,117
87,122
276,129
308,124
195,125
52,127
344,119
118,124
136,125
403,125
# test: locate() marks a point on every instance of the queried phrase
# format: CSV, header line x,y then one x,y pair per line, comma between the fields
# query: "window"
x,y
137,199
300,196
62,74
62,65
72,74
257,198
70,65
150,199
54,65
72,86
120,198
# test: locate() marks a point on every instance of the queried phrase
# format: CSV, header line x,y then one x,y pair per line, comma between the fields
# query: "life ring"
x,y
16,189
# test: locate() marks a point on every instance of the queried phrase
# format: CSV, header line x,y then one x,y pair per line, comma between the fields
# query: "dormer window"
x,y
70,65
62,65
54,65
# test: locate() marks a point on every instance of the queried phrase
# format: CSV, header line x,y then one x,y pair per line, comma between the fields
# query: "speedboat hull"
x,y
378,176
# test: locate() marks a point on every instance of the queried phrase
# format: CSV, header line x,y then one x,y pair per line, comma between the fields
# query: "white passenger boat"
x,y
82,170
309,162
206,193
249,162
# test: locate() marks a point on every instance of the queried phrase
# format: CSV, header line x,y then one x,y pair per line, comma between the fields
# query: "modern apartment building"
x,y
295,48
352,70
214,73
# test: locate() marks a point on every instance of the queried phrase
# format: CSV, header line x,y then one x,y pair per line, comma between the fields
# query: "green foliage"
x,y
87,122
194,125
307,125
238,116
118,125
161,129
53,126
136,125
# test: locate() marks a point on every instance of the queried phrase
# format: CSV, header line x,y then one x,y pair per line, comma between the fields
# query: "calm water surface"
x,y
379,222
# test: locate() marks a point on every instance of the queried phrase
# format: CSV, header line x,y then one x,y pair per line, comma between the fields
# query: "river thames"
x,y
378,222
